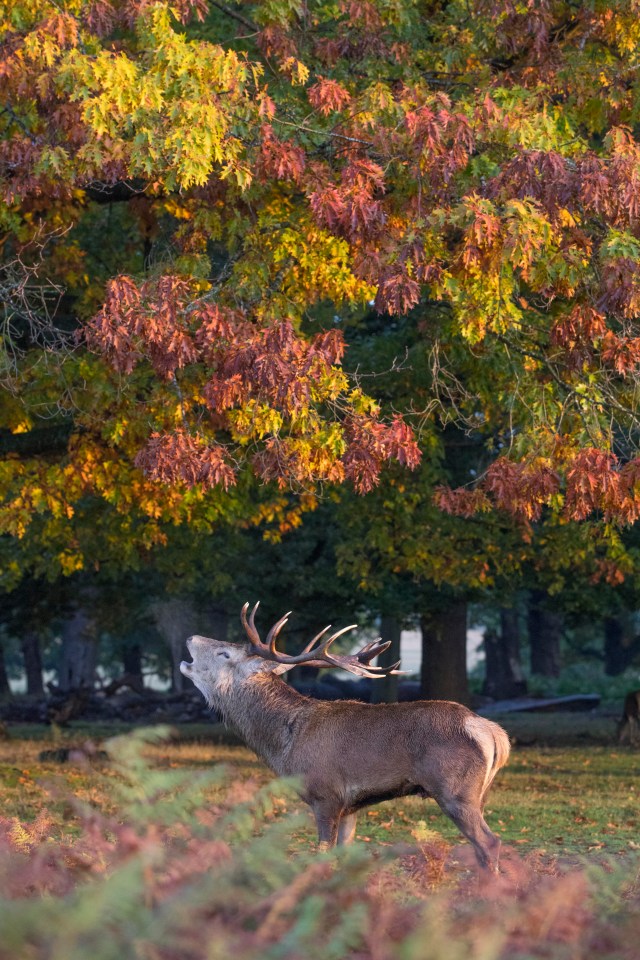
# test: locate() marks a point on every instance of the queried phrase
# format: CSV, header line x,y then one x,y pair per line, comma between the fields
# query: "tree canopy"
x,y
201,203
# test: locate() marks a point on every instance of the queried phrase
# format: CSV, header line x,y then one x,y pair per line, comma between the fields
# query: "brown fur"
x,y
349,754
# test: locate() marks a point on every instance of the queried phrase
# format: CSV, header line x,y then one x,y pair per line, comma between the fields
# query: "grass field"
x,y
184,849
568,789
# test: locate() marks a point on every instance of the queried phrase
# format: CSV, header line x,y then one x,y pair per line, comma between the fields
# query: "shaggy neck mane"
x,y
265,711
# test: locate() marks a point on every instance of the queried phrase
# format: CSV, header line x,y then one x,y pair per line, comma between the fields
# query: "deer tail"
x,y
494,744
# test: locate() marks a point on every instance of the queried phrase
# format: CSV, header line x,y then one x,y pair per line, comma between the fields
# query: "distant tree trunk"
x,y
504,677
620,648
79,652
5,689
544,637
385,690
132,660
30,644
444,654
615,660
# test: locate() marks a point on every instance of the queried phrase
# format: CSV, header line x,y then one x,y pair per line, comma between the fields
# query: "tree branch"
x,y
235,16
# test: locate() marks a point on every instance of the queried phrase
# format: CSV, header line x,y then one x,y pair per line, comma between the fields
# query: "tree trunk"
x,y
503,668
79,652
132,661
544,637
444,654
385,690
620,648
5,689
30,643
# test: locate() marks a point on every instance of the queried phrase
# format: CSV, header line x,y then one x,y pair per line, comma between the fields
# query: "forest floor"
x,y
568,791
176,845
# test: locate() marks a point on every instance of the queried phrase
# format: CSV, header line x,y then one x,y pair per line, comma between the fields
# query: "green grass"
x,y
567,791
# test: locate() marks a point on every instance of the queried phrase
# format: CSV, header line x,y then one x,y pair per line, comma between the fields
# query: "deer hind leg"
x,y
469,820
347,828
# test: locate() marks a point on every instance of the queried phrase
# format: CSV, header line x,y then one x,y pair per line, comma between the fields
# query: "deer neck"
x,y
267,712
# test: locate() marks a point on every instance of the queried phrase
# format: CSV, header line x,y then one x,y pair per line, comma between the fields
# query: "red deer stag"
x,y
628,722
349,755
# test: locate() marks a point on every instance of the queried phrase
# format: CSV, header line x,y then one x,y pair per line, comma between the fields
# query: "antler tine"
x,y
360,671
370,645
252,618
317,637
360,662
353,665
250,626
324,646
372,650
272,636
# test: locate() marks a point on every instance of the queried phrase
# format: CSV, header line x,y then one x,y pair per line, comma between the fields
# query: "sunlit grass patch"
x,y
567,801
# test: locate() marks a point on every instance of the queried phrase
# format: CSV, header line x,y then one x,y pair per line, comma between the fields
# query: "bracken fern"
x,y
172,878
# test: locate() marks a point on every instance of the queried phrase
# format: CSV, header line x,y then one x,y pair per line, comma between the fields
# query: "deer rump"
x,y
347,754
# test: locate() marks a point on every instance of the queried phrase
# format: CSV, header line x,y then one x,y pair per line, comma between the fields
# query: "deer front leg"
x,y
347,828
327,815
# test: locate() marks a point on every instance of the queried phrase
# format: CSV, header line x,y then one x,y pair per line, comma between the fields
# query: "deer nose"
x,y
196,643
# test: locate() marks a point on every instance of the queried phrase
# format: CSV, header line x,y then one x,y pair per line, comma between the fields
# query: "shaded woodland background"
x,y
83,633
333,307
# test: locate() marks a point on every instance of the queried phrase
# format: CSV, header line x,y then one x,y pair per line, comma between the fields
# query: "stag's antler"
x,y
316,654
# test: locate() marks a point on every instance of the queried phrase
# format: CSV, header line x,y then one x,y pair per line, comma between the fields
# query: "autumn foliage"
x,y
219,195
260,376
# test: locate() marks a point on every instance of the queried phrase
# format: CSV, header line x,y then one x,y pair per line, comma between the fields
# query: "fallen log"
x,y
574,702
